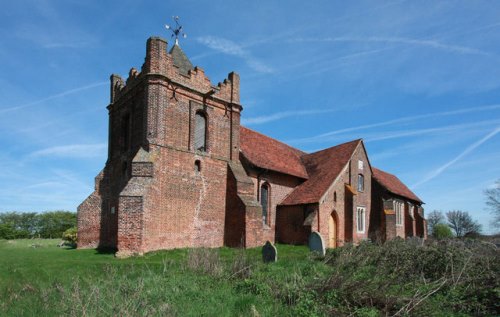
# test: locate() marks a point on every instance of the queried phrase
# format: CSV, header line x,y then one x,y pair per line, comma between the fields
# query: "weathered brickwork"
x,y
182,172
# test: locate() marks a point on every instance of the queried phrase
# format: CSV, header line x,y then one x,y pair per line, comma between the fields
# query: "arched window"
x,y
361,183
399,209
200,132
197,166
264,201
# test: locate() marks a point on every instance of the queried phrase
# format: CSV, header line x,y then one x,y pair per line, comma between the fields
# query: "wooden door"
x,y
332,230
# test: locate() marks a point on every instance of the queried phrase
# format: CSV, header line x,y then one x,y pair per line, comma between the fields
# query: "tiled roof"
x,y
180,59
268,153
393,184
323,168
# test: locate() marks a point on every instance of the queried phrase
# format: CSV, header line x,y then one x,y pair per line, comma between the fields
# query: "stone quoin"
x,y
182,172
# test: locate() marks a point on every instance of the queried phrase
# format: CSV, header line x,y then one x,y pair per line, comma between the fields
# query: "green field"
x,y
38,278
449,278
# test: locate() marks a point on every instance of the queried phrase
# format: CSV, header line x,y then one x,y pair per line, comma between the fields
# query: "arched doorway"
x,y
332,230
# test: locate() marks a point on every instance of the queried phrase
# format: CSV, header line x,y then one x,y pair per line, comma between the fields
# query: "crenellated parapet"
x,y
175,69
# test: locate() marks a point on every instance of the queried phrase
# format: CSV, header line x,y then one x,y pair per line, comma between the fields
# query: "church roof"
x,y
180,59
271,154
323,168
393,184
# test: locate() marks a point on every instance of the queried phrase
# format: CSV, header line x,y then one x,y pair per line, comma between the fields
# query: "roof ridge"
x,y
391,187
266,136
336,146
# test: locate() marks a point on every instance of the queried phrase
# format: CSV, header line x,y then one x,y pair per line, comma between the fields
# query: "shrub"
x,y
70,236
406,278
442,231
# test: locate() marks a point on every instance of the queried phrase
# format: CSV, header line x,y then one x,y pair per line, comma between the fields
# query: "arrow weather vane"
x,y
177,30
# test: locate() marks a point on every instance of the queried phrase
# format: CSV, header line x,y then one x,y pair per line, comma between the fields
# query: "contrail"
x,y
62,94
282,115
401,40
469,149
393,121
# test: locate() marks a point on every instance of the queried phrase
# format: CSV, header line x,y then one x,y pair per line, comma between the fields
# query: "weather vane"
x,y
177,30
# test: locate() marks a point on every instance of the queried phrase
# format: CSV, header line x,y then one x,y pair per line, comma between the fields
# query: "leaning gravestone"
x,y
316,243
269,253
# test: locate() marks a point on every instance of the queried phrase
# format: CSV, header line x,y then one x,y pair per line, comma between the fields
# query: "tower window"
x,y
197,166
124,169
361,183
125,133
200,132
264,201
334,196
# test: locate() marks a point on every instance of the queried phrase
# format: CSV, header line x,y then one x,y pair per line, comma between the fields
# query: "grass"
x,y
38,278
399,278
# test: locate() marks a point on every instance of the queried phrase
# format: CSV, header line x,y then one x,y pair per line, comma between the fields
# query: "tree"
x,y
54,223
493,202
461,223
442,231
433,218
22,225
19,225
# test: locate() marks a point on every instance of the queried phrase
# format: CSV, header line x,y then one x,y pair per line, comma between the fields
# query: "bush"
x,y
442,231
70,236
405,278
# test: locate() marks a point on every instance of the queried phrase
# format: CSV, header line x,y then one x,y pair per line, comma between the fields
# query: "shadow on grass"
x,y
105,250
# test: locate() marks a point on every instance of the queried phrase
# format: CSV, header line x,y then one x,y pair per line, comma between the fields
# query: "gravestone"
x,y
316,243
269,253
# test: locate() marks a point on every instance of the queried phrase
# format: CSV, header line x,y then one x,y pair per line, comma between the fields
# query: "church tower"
x,y
173,140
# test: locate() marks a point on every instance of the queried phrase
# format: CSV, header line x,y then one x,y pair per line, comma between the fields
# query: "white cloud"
x,y
281,115
231,48
72,150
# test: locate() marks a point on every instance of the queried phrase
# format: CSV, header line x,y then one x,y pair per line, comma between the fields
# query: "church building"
x,y
182,172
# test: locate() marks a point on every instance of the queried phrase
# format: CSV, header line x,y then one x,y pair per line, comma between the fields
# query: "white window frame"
x,y
361,219
399,210
360,165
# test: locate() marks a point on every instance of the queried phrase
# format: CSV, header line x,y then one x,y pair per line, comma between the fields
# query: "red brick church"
x,y
183,172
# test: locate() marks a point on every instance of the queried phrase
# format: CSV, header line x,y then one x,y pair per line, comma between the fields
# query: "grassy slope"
x,y
404,278
48,280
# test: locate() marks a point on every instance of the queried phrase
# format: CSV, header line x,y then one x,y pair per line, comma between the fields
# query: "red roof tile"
x,y
323,168
268,153
393,184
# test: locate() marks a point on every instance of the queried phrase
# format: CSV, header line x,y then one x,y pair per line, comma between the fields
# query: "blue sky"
x,y
419,81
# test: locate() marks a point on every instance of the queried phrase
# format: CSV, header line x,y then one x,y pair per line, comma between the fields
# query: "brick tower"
x,y
173,161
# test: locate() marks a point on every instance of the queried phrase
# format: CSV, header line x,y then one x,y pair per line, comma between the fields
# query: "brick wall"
x,y
290,225
279,186
343,210
165,202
